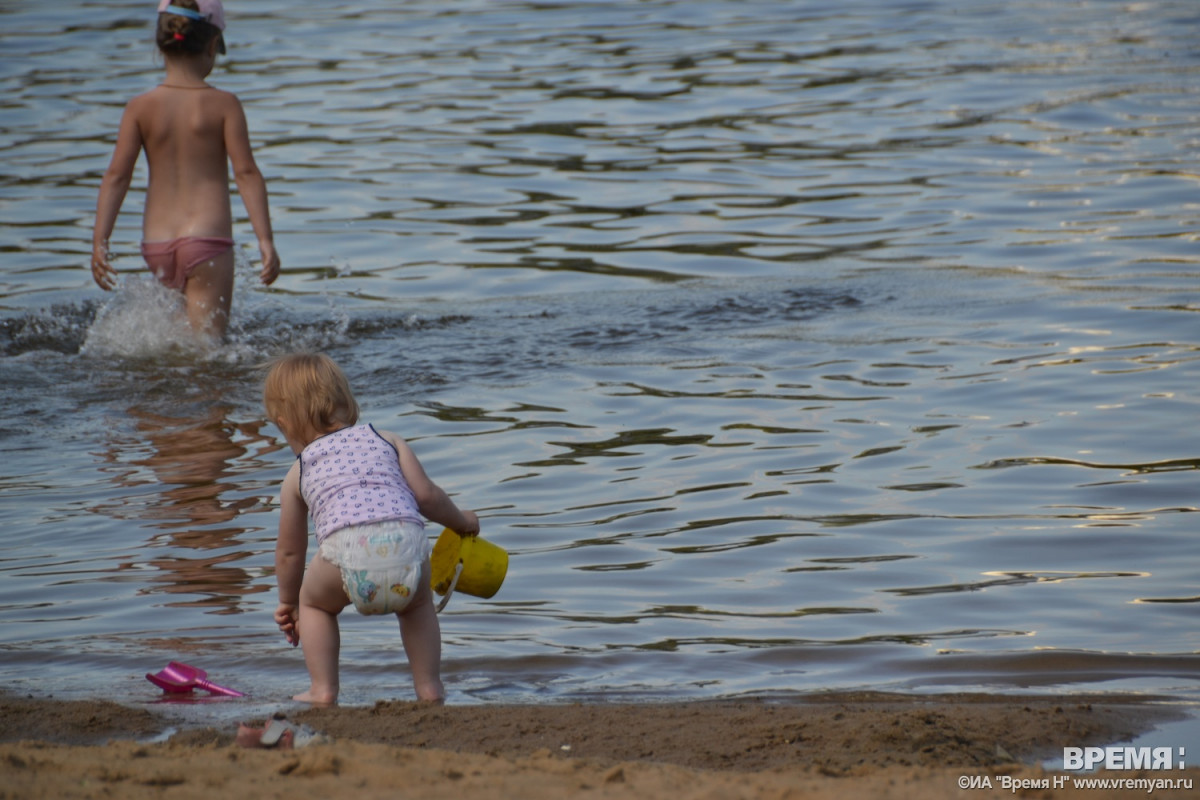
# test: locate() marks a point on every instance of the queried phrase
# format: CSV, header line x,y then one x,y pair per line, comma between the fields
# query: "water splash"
x,y
144,319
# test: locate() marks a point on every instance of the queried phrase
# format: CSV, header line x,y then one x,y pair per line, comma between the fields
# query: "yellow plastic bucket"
x,y
484,565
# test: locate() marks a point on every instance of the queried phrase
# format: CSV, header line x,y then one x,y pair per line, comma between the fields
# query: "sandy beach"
x,y
823,746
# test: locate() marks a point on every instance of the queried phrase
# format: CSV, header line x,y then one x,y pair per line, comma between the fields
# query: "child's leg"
x,y
322,598
209,294
422,637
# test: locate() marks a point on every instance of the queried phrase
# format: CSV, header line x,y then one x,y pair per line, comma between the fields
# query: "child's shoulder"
x,y
223,94
147,98
388,436
163,96
293,474
163,92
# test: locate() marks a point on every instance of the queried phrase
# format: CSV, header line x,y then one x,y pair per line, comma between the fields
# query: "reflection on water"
x,y
783,347
188,490
189,459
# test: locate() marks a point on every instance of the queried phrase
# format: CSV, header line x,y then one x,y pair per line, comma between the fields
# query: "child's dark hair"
x,y
179,34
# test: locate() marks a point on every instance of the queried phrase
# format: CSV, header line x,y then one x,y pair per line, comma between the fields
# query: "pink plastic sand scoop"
x,y
179,678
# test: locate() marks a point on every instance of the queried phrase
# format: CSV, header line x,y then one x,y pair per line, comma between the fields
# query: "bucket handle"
x,y
458,568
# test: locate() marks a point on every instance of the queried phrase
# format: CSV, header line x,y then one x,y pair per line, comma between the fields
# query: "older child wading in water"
x,y
191,132
367,494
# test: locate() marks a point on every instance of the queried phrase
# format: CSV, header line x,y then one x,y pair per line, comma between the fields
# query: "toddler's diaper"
x,y
380,563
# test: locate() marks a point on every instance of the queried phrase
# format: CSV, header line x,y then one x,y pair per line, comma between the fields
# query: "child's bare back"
x,y
185,133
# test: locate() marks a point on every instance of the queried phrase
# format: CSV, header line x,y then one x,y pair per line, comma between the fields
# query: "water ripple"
x,y
734,320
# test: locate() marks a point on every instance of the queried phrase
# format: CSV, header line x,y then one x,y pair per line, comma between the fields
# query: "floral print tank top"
x,y
352,477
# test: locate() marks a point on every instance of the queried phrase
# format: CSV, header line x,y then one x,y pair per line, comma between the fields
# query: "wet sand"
x,y
824,746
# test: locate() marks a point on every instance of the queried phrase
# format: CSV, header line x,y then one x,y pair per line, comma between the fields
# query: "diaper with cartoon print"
x,y
380,563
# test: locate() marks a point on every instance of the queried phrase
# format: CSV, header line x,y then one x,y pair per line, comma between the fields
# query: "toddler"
x,y
366,493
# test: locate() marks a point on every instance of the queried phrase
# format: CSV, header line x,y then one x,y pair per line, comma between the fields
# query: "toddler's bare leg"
x,y
422,637
209,295
322,598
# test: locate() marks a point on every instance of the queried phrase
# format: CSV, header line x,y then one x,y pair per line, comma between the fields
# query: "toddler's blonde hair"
x,y
309,393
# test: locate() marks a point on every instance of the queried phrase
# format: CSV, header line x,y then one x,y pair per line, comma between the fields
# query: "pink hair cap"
x,y
210,10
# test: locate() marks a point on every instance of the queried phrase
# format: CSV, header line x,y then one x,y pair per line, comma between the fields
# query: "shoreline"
x,y
826,745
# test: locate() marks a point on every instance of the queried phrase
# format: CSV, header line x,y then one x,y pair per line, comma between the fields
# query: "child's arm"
x,y
291,550
432,501
251,186
113,188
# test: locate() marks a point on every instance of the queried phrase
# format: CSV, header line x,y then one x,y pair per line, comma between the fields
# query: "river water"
x,y
785,346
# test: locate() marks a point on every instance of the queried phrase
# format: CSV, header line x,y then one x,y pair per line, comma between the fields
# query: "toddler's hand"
x,y
472,526
286,617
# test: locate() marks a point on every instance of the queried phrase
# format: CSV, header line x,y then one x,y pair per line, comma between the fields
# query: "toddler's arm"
x,y
291,550
432,501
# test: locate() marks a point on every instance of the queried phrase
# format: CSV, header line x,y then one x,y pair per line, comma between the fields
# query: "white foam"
x,y
144,319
